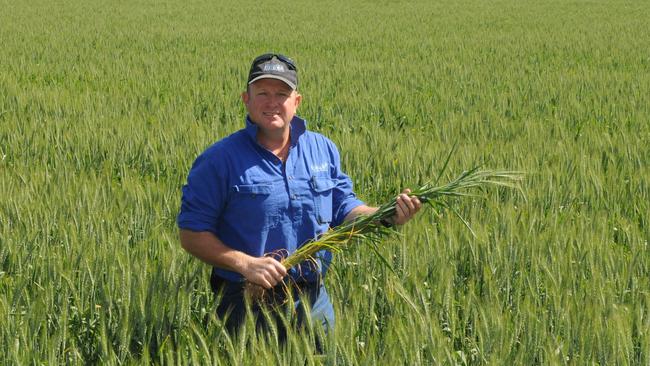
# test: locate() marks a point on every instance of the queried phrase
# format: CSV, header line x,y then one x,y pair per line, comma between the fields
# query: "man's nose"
x,y
277,100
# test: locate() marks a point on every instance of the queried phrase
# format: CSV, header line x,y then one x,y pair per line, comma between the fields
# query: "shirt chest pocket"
x,y
255,205
322,189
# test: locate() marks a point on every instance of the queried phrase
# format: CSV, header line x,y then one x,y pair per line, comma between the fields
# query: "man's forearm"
x,y
264,271
405,207
360,210
210,249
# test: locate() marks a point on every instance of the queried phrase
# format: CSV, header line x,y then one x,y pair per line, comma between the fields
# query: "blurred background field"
x,y
104,106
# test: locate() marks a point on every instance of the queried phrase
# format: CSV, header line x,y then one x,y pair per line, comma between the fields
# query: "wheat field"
x,y
105,104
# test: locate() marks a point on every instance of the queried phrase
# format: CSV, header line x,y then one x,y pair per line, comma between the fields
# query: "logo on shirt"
x,y
323,167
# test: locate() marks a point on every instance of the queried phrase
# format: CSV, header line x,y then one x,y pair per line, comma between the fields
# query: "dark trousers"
x,y
281,307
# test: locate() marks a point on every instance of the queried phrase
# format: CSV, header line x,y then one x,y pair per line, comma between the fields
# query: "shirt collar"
x,y
298,127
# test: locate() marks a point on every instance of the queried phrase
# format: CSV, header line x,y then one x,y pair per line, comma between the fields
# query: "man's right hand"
x,y
264,271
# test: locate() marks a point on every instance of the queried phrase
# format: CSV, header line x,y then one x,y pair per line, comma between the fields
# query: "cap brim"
x,y
271,76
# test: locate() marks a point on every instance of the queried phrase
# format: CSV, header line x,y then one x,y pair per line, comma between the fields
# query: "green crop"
x,y
105,105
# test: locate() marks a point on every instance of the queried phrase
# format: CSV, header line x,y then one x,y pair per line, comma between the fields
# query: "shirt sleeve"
x,y
344,199
203,196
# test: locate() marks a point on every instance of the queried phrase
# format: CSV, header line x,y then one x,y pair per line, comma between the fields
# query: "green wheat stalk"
x,y
368,228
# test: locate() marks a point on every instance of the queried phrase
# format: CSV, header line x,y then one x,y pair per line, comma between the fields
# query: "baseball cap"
x,y
274,66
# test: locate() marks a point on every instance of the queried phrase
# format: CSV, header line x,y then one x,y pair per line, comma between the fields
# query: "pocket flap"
x,y
322,184
254,188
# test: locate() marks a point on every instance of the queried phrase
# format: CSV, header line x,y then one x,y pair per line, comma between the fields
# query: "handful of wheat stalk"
x,y
368,228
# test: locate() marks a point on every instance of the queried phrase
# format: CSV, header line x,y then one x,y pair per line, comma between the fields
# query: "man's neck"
x,y
275,143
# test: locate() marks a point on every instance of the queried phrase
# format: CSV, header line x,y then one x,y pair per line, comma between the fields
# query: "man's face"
x,y
271,104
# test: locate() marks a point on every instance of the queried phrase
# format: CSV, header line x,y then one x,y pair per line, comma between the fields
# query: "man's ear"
x,y
298,99
244,97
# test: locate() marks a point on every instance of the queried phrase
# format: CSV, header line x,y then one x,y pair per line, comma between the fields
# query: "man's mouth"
x,y
270,114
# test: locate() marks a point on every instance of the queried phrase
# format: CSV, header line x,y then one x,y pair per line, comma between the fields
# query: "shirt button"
x,y
293,196
290,177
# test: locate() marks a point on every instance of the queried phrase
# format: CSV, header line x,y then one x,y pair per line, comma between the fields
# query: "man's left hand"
x,y
406,207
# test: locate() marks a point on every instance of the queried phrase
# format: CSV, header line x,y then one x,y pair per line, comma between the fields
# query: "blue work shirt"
x,y
254,203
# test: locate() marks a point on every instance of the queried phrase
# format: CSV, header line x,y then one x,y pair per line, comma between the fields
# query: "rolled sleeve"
x,y
203,197
344,199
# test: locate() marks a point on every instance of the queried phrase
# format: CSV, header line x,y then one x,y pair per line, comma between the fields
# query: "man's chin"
x,y
273,124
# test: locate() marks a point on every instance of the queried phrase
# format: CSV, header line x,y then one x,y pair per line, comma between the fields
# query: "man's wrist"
x,y
240,262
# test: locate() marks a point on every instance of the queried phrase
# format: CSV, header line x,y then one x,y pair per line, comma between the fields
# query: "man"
x,y
267,189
